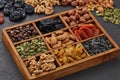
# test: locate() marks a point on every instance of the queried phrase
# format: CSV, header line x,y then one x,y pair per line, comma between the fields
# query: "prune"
x,y
18,4
21,11
17,15
7,1
16,10
50,25
2,5
29,9
8,10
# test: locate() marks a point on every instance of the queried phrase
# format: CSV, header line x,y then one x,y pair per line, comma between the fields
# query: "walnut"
x,y
43,6
36,72
45,63
33,62
48,59
48,66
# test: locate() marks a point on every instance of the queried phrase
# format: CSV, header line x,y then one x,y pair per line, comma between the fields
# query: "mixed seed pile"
x,y
111,15
31,48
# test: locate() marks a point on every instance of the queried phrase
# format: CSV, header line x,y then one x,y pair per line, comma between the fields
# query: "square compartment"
x,y
50,24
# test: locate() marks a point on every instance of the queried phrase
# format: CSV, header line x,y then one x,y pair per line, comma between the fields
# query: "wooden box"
x,y
61,70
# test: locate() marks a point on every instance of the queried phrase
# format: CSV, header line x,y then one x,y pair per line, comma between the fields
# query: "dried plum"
x,y
50,25
29,9
8,10
18,4
17,15
7,1
16,10
2,5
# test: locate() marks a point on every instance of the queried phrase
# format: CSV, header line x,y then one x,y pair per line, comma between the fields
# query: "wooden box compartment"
x,y
60,48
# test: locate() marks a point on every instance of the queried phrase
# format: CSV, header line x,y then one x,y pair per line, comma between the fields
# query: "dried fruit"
x,y
97,45
85,31
70,54
49,25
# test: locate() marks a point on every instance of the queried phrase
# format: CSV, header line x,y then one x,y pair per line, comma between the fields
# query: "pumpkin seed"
x,y
31,48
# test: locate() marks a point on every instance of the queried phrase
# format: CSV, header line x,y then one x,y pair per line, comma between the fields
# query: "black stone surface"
x,y
105,71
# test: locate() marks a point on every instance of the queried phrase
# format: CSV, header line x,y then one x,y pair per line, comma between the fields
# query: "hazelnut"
x,y
82,19
77,21
77,16
100,9
72,18
69,1
81,3
72,23
74,3
64,3
86,16
66,19
71,12
84,10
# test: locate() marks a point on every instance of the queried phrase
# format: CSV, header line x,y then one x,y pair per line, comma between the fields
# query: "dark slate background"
x,y
105,71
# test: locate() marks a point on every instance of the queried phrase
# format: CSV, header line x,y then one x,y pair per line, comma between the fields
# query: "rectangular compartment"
x,y
50,24
61,70
98,45
60,38
41,64
22,32
31,47
77,16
